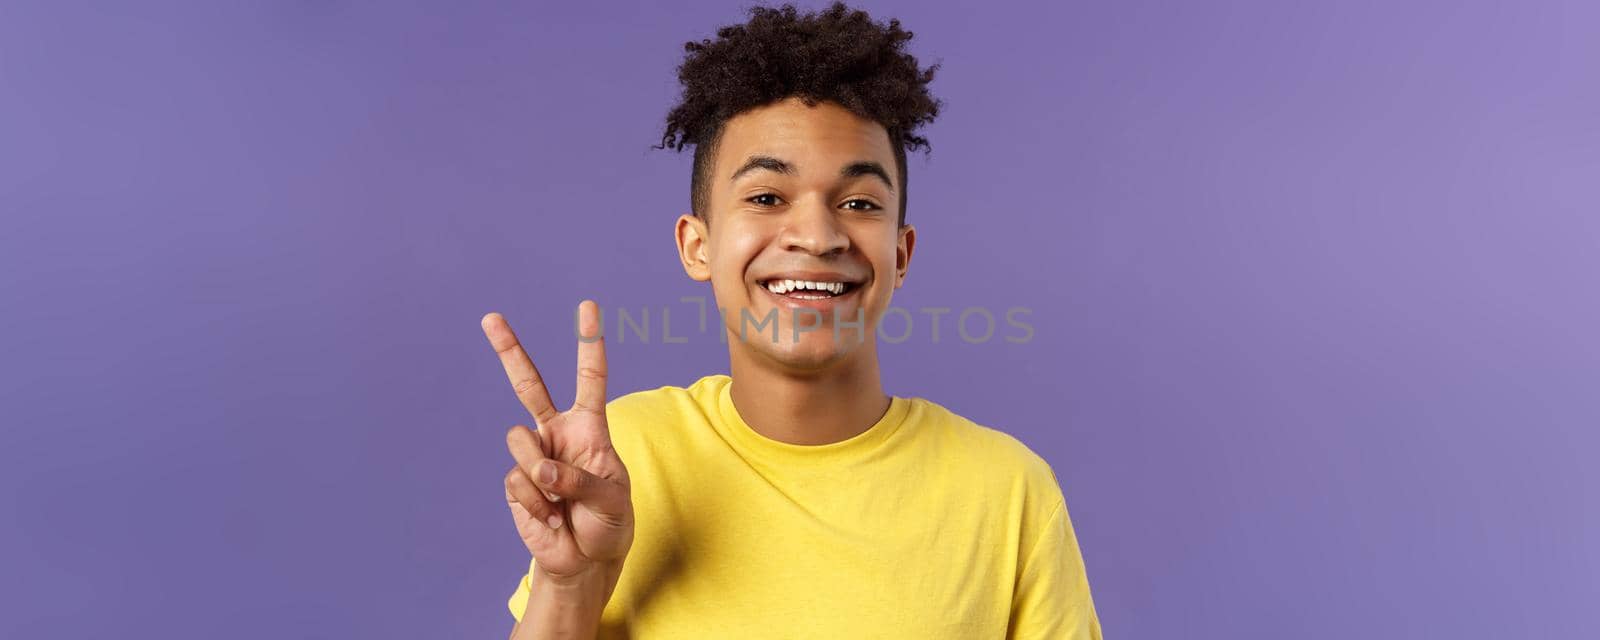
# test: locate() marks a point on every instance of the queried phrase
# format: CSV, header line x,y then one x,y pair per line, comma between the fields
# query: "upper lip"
x,y
812,276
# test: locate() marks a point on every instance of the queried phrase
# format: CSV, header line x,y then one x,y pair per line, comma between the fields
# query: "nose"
x,y
815,230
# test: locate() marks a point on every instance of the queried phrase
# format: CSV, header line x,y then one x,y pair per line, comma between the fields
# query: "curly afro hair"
x,y
838,55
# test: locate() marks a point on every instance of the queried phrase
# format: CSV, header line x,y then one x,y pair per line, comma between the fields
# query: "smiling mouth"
x,y
808,289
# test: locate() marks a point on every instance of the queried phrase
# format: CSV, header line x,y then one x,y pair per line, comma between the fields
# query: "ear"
x,y
692,235
902,254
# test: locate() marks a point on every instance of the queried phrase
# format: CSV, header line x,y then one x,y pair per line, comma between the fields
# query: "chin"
x,y
812,353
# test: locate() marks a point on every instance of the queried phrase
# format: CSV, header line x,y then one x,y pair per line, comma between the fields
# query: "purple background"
x,y
1314,291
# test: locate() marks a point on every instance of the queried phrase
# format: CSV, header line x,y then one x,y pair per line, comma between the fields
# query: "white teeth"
x,y
781,287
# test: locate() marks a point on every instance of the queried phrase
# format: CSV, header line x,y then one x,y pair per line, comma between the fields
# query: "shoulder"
x,y
1006,473
1003,460
703,394
632,416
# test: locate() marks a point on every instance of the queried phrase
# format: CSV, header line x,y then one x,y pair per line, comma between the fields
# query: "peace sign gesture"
x,y
569,493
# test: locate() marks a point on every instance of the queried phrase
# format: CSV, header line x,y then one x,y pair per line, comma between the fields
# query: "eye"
x,y
765,200
865,205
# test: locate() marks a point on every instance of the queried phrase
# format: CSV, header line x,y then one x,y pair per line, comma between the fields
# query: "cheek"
x,y
733,249
883,254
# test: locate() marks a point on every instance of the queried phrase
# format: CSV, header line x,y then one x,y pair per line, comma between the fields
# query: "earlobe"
x,y
690,232
902,255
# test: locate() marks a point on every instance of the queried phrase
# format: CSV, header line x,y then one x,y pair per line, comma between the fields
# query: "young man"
x,y
794,498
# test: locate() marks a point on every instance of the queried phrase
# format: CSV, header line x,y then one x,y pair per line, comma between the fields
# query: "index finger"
x,y
524,377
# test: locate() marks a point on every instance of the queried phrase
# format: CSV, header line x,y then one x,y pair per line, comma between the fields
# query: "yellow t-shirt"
x,y
924,526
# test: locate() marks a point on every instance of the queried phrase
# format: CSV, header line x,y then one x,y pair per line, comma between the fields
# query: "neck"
x,y
808,408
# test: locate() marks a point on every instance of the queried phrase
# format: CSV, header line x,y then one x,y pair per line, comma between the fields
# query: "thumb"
x,y
572,483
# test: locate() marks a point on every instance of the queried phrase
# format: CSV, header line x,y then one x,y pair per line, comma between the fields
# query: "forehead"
x,y
813,138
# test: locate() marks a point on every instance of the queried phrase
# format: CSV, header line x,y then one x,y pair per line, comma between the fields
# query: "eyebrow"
x,y
867,168
853,170
764,162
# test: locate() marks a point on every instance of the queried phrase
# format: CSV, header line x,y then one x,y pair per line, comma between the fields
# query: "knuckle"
x,y
527,385
584,483
592,372
535,507
574,483
503,344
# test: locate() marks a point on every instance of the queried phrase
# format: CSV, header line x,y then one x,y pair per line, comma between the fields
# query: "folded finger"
x,y
521,493
528,448
544,447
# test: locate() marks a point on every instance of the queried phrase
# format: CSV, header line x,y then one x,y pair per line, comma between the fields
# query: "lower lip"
x,y
819,304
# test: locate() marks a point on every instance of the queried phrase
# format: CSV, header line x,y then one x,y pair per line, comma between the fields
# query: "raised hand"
x,y
568,493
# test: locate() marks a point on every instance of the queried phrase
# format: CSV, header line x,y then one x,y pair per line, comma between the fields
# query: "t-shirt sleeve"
x,y
1052,597
519,597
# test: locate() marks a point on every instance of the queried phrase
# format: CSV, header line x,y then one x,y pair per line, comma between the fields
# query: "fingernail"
x,y
547,472
554,521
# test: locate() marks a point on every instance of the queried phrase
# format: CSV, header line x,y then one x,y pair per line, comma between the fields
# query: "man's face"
x,y
808,195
